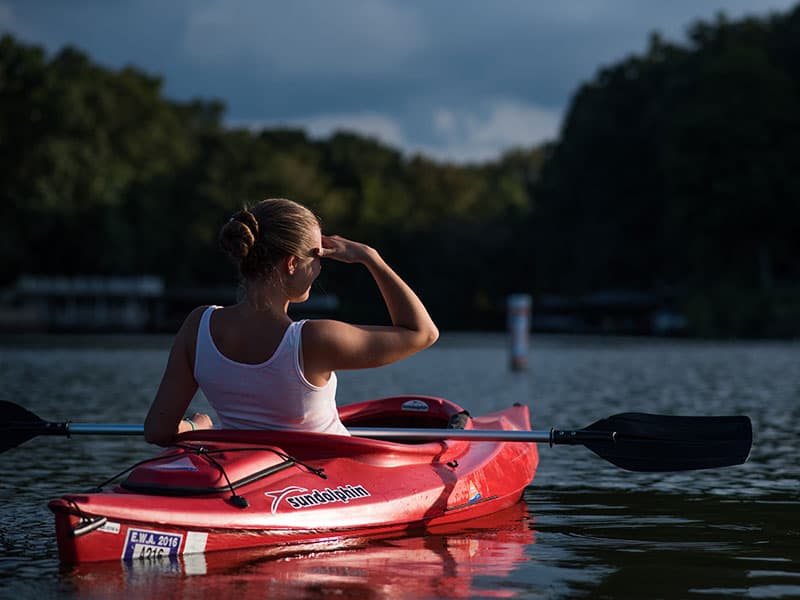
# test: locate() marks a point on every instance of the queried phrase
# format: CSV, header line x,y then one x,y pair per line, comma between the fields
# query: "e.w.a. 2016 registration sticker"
x,y
144,543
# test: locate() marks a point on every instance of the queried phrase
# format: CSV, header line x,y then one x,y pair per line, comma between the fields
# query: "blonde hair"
x,y
256,238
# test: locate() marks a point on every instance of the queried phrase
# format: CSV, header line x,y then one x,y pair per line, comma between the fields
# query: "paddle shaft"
x,y
385,433
550,437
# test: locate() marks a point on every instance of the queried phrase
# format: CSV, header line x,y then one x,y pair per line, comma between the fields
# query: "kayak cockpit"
x,y
212,461
401,411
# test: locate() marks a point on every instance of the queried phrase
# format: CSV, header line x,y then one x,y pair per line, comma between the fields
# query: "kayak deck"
x,y
220,490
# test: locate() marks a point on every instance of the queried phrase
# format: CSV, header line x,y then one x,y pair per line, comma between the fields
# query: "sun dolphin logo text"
x,y
326,496
316,497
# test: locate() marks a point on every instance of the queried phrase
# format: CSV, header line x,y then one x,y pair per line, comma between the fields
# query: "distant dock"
x,y
136,304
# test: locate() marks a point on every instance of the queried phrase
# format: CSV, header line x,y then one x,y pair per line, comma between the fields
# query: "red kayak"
x,y
222,490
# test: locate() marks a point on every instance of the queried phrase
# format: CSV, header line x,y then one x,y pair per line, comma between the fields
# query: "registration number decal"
x,y
145,543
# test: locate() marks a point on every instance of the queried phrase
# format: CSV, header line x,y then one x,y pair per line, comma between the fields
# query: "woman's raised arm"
x,y
330,345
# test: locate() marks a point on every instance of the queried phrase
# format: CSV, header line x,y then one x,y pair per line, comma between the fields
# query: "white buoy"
x,y
519,312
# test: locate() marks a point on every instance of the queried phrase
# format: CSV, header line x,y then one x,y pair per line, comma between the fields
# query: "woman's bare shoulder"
x,y
319,330
328,335
193,318
187,334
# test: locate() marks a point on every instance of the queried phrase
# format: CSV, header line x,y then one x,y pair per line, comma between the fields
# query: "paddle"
x,y
632,441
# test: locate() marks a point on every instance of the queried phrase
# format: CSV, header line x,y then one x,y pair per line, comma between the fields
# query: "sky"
x,y
457,80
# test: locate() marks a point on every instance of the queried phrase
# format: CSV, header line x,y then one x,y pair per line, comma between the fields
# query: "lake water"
x,y
584,529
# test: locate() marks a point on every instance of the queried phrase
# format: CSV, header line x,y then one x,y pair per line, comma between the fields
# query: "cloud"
x,y
380,127
305,37
468,136
455,135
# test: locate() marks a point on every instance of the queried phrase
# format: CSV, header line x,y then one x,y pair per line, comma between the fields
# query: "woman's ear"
x,y
291,264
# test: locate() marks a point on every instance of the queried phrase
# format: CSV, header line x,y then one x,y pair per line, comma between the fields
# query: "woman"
x,y
259,369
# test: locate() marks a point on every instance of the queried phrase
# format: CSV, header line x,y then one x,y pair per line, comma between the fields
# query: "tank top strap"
x,y
295,335
205,319
203,346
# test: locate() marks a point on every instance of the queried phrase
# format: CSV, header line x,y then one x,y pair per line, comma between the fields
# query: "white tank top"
x,y
271,395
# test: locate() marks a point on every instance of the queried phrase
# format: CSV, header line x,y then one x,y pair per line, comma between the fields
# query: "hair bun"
x,y
238,235
246,218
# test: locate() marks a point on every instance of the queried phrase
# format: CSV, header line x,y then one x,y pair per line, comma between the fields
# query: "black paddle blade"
x,y
18,425
654,443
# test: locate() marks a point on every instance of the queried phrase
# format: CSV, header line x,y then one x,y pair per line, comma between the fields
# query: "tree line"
x,y
676,173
